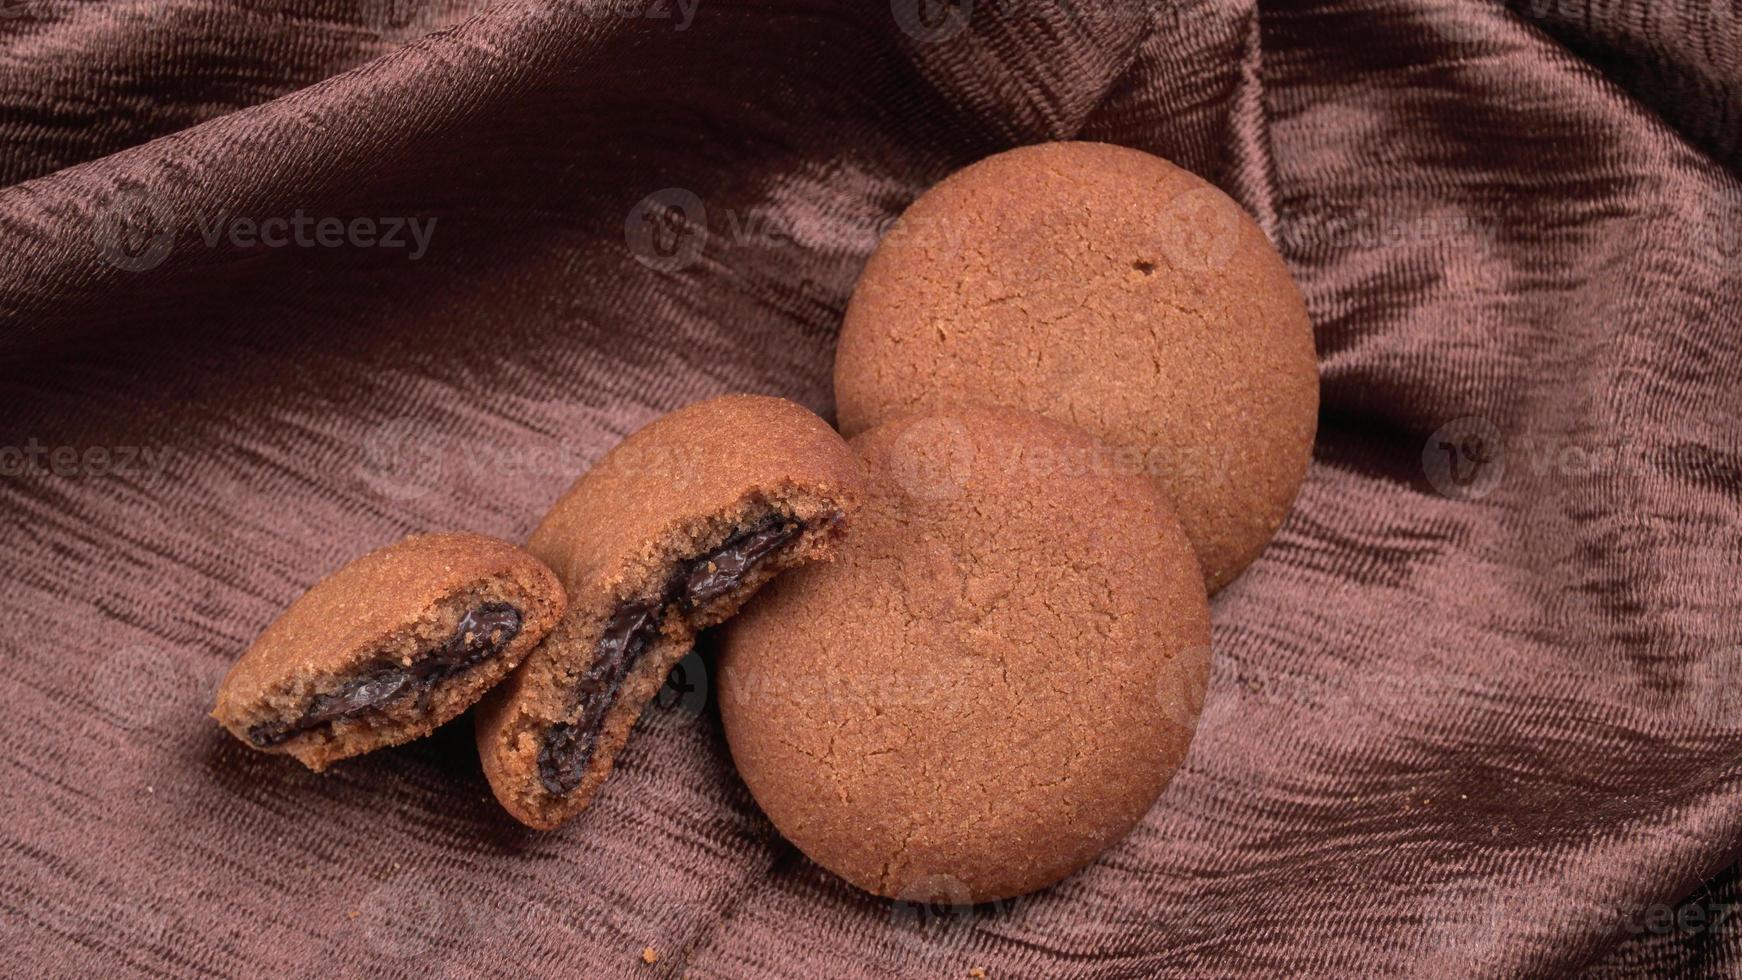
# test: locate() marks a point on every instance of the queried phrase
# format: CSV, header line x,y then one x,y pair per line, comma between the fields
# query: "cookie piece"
x,y
1108,288
993,681
389,647
667,535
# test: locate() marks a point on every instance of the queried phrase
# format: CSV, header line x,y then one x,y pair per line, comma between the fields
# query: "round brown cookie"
x,y
1105,287
388,647
992,682
666,535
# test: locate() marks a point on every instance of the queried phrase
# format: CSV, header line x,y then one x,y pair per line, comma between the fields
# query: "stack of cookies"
x,y
1084,387
1081,393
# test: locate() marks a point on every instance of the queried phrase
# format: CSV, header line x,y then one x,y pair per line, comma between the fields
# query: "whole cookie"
x,y
388,647
1105,287
995,678
668,534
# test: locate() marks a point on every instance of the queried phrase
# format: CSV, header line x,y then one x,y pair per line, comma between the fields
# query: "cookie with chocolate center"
x,y
389,647
666,535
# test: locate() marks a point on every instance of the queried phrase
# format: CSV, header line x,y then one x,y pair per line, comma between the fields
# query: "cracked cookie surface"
x,y
994,680
1104,287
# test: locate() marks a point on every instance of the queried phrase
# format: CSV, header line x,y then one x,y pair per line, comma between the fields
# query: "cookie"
x,y
992,682
665,536
389,647
1108,288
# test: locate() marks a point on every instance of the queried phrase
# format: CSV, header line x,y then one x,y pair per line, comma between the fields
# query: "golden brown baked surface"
x,y
633,533
390,646
1105,287
992,682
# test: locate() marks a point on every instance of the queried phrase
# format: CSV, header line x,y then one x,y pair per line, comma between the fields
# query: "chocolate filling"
x,y
568,746
480,635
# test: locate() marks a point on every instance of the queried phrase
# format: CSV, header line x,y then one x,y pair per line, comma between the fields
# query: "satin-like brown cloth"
x,y
1476,712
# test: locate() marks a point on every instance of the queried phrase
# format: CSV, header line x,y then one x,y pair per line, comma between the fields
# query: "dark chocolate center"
x,y
480,635
568,746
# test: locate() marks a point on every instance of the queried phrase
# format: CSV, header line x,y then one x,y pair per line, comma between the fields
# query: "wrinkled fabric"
x,y
1476,712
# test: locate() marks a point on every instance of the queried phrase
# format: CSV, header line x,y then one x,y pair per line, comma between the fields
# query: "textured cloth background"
x,y
1477,712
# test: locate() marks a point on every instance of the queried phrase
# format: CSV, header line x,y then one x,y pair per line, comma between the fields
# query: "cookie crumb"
x,y
978,973
649,955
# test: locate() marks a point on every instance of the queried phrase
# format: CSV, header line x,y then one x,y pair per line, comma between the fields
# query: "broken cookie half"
x,y
667,535
389,647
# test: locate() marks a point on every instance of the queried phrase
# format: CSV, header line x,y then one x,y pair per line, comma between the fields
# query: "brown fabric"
x,y
1476,712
